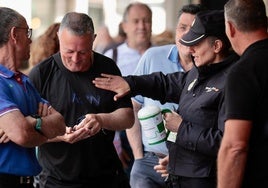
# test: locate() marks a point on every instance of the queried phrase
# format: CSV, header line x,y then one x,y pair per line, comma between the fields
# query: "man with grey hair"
x,y
85,155
242,159
137,25
26,120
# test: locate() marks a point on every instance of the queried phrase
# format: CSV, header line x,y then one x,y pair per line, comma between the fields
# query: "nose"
x,y
74,57
191,49
141,23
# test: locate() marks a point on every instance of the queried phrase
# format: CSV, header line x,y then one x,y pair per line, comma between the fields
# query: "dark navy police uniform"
x,y
199,93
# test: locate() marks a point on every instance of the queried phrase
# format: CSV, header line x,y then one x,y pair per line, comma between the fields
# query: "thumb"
x,y
118,96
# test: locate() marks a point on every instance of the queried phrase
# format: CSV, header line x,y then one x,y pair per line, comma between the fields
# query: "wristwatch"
x,y
38,125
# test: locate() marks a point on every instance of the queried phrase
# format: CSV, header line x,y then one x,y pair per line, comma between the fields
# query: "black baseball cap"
x,y
206,23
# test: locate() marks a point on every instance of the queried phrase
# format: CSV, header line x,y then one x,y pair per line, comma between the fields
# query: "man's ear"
x,y
230,28
13,34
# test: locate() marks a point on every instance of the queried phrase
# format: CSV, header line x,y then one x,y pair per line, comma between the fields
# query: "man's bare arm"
x,y
233,153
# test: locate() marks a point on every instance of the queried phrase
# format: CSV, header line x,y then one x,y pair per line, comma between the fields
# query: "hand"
x,y
124,158
72,136
113,83
91,122
3,137
172,121
44,109
162,166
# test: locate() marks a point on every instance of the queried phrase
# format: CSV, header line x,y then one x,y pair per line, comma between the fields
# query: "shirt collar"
x,y
173,56
5,72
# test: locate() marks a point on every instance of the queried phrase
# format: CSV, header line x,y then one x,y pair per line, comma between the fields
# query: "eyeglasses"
x,y
29,31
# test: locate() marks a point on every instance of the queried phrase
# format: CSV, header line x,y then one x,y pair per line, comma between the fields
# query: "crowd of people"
x,y
71,119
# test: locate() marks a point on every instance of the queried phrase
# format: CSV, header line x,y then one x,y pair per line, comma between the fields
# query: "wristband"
x,y
38,125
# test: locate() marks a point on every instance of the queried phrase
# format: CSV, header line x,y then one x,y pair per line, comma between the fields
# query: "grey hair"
x,y
8,18
247,15
77,23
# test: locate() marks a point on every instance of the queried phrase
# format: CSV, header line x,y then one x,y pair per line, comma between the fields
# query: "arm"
x,y
119,119
203,139
52,121
233,153
134,134
150,85
21,131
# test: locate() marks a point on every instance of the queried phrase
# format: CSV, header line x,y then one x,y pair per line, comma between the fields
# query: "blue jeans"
x,y
143,173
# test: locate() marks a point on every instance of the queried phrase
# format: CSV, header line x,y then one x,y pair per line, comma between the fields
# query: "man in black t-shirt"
x,y
85,156
243,155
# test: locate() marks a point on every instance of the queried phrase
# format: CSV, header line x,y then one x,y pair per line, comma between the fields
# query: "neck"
x,y
7,59
141,48
250,38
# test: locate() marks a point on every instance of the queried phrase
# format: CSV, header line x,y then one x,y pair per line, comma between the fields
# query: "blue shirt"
x,y
127,58
17,93
165,59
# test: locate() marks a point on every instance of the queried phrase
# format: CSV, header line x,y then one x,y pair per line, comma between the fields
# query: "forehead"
x,y
138,11
186,18
70,40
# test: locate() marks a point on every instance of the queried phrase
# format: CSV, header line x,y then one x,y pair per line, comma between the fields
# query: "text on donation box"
x,y
152,124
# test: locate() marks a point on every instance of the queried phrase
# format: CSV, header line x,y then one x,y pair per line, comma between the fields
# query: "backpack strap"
x,y
114,57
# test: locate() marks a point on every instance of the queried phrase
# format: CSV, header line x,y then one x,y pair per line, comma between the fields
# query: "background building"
x,y
41,13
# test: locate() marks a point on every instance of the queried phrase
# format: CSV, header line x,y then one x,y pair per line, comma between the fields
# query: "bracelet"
x,y
38,125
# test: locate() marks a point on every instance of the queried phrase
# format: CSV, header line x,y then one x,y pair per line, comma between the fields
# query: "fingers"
x,y
43,109
107,75
90,123
161,168
103,83
76,136
3,137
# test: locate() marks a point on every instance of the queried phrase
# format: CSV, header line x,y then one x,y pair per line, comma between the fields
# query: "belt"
x,y
159,155
17,179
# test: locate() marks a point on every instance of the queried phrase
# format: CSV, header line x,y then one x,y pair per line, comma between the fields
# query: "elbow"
x,y
235,150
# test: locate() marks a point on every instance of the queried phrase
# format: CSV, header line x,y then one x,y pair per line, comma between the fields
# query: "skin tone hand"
x,y
71,136
113,83
3,137
124,158
172,121
92,122
161,168
88,127
44,109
